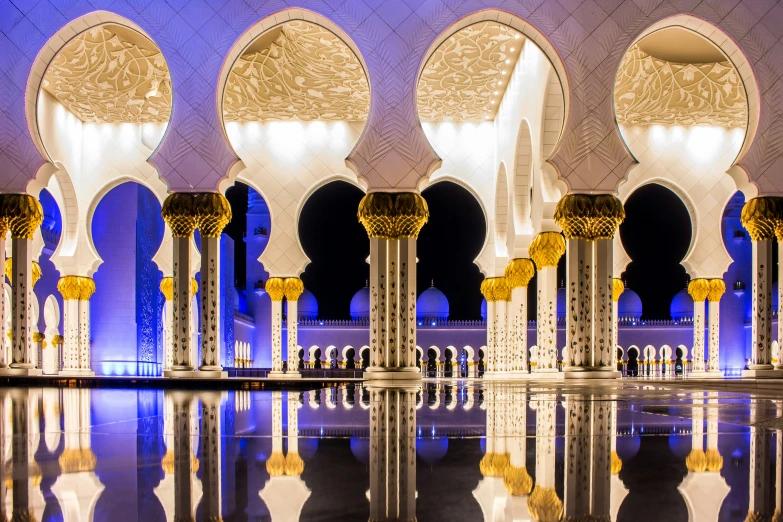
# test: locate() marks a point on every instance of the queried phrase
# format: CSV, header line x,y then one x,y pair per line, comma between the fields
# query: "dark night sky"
x,y
337,245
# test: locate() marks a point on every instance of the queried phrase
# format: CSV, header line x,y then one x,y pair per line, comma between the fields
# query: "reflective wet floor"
x,y
432,452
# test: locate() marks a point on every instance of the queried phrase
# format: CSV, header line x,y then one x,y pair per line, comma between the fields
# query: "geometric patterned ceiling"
x,y
111,74
651,91
297,71
467,75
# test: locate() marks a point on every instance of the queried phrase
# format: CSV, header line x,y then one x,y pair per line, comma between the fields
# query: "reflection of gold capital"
x,y
294,465
193,286
714,462
618,287
699,289
544,504
696,461
519,272
76,460
275,465
275,287
57,340
716,290
293,288
546,249
517,481
616,464
22,214
212,212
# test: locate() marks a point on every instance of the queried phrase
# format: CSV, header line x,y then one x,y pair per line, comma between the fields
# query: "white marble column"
x,y
579,284
518,274
275,287
604,336
497,293
293,289
698,289
167,289
717,289
545,251
86,289
21,304
618,287
68,287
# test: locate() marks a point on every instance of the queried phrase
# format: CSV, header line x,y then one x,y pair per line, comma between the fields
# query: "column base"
x,y
194,374
374,373
762,374
284,376
711,374
20,372
75,373
587,372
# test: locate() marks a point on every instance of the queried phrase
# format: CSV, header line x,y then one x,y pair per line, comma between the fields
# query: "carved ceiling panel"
x,y
466,76
299,72
650,91
111,74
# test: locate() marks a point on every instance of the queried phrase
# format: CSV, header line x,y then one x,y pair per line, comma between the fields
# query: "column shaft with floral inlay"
x,y
211,441
213,213
543,502
518,274
275,288
716,290
23,215
618,287
498,294
698,290
393,222
293,289
546,250
179,213
86,289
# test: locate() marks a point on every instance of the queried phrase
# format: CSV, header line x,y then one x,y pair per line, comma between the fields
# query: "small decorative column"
x,y
545,251
393,222
717,289
213,213
76,292
498,293
618,287
23,215
86,289
698,289
275,287
179,213
293,289
57,344
518,273
760,216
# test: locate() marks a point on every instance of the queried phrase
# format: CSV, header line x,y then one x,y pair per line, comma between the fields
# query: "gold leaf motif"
x,y
618,287
293,288
546,249
519,272
699,289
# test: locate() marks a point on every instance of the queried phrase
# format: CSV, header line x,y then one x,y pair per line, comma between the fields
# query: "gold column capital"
x,y
86,288
293,288
294,465
714,462
179,213
716,290
193,286
38,337
699,289
544,504
519,272
57,340
167,288
275,464
9,272
589,216
546,249
212,212
393,215
518,481
76,288
762,217
616,464
22,214
618,287
275,287
496,289
696,461
76,460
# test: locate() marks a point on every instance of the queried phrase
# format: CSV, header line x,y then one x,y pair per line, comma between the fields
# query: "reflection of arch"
x,y
501,213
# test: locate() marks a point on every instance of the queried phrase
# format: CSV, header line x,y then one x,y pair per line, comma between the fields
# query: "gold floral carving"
x,y
650,91
589,216
86,288
22,214
38,337
76,288
57,340
212,212
294,465
36,275
486,289
618,287
461,77
275,465
544,504
714,460
546,249
761,217
167,463
393,215
110,74
76,460
167,288
517,481
275,287
293,288
519,272
699,289
494,464
696,461
193,286
716,289
305,73
616,464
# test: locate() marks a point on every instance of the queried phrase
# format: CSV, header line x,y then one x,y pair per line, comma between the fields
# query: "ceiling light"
x,y
508,61
512,49
492,102
500,83
503,73
497,92
516,37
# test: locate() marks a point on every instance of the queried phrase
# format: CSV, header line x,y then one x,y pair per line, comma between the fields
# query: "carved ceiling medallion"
x,y
650,91
466,76
111,74
304,73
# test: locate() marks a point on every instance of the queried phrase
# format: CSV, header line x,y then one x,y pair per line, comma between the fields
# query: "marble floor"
x,y
628,451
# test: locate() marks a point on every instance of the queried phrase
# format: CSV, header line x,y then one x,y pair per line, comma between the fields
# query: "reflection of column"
x,y
604,418
213,213
275,287
543,503
179,214
293,289
27,502
618,489
546,250
393,222
211,437
717,288
760,216
759,490
699,289
23,215
516,478
577,459
518,274
618,287
392,453
497,293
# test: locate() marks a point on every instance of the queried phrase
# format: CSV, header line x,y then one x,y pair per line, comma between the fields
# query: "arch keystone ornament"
x,y
546,250
589,222
393,221
762,217
22,215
